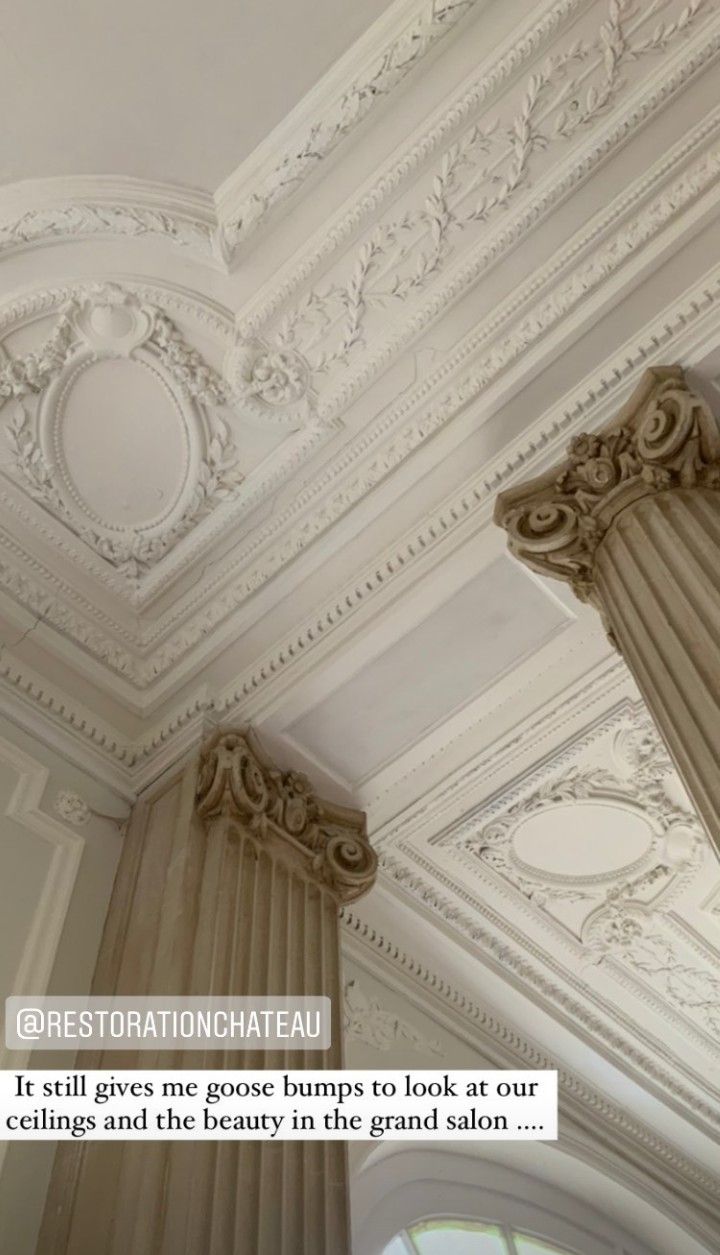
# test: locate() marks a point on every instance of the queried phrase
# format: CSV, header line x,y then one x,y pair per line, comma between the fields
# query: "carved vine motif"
x,y
218,475
366,1021
60,221
478,177
634,936
238,781
437,18
556,523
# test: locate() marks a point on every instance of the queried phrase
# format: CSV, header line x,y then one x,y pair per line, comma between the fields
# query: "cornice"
x,y
581,1105
675,332
506,952
520,208
214,225
557,289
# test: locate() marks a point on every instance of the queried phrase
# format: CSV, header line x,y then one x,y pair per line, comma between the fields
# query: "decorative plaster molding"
x,y
379,249
626,909
109,322
331,113
507,953
367,1022
626,245
72,808
238,782
480,176
86,220
674,329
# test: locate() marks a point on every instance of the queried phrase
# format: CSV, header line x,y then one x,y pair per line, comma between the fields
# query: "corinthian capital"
x,y
664,438
238,782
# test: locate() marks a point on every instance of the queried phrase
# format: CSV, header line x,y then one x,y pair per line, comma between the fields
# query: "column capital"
x,y
665,437
238,781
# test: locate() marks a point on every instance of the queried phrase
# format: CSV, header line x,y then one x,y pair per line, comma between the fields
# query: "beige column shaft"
x,y
229,883
632,521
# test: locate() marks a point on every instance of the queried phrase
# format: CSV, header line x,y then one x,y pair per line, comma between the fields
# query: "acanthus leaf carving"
x,y
238,783
665,438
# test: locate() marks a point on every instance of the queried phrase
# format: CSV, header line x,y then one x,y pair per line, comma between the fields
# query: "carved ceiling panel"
x,y
126,436
597,882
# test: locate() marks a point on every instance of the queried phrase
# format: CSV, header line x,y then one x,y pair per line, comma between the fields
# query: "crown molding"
x,y
544,967
616,113
679,332
215,225
356,86
592,265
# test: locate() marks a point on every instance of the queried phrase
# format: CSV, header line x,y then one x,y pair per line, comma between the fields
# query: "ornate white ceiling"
x,y
251,434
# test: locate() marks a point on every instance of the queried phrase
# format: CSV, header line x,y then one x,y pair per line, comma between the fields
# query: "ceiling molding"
x,y
394,47
54,210
509,914
215,225
501,345
616,111
677,332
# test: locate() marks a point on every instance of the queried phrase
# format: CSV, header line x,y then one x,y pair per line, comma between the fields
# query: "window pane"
x,y
457,1237
396,1247
533,1246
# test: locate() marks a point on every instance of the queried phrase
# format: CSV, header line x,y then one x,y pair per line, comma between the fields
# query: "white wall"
x,y
57,864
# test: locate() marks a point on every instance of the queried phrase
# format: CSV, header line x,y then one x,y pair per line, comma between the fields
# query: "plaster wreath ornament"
x,y
106,323
272,384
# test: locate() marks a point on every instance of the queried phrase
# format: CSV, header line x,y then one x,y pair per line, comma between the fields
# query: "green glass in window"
x,y
534,1246
457,1237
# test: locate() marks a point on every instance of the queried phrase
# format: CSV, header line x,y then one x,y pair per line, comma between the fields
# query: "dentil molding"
x,y
511,344
676,331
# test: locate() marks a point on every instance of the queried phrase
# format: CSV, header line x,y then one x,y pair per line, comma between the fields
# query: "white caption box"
x,y
284,1106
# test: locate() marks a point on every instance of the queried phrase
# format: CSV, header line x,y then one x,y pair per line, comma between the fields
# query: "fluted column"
x,y
229,884
632,521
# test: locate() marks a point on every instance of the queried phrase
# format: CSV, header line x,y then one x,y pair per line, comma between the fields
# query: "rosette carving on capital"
x,y
665,438
239,782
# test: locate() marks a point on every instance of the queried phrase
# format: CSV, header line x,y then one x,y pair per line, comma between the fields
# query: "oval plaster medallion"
x,y
582,840
120,441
